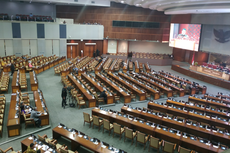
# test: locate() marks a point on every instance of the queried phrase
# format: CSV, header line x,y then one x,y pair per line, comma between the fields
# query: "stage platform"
x,y
185,69
158,62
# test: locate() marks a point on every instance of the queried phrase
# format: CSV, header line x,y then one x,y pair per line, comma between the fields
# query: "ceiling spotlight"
x,y
138,4
122,1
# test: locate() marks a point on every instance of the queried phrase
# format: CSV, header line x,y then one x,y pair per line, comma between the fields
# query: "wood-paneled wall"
x,y
120,12
183,55
87,50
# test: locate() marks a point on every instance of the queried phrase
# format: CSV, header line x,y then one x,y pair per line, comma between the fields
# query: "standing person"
x,y
63,95
12,69
35,115
94,54
103,94
97,52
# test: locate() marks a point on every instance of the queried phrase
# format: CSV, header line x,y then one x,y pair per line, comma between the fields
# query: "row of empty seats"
x,y
132,134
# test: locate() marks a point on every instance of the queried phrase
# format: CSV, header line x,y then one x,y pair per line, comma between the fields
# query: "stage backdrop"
x,y
215,39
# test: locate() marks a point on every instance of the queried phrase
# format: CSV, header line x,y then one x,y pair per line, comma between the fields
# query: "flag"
x,y
193,58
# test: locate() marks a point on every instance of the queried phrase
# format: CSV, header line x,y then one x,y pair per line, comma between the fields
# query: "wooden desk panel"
x,y
210,135
160,133
188,115
44,118
164,89
76,141
211,112
208,102
126,96
13,124
150,90
110,98
142,95
86,95
179,90
34,85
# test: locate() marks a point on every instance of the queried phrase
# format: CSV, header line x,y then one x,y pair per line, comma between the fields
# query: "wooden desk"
x,y
130,66
76,141
211,72
125,67
22,69
111,68
193,116
208,102
6,68
38,103
209,111
217,99
202,89
38,69
142,95
83,91
210,135
127,97
34,85
150,90
147,67
179,90
154,131
15,85
100,65
110,98
163,88
13,124
137,69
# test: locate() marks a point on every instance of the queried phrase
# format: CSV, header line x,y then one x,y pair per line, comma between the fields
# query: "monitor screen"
x,y
185,36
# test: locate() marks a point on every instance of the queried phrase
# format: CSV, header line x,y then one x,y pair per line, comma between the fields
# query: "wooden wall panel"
x,y
105,46
81,45
181,18
122,12
183,55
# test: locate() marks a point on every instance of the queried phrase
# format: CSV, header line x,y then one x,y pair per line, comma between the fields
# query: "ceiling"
x,y
168,6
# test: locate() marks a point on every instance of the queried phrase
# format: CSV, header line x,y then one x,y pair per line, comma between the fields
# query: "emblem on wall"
x,y
221,35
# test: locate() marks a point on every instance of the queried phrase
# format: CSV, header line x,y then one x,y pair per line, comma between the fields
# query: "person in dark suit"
x,y
64,95
222,64
12,69
94,54
97,53
103,94
35,115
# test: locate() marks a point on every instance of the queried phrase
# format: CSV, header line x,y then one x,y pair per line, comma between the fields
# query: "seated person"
x,y
26,109
104,95
30,65
30,148
222,64
3,63
35,115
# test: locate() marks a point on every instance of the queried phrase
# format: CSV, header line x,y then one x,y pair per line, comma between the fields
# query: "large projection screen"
x,y
185,36
215,39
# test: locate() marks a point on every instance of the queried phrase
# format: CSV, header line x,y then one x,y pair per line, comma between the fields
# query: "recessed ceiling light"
x,y
122,1
138,4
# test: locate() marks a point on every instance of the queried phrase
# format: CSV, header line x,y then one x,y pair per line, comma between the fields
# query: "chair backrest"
x,y
63,150
168,147
106,124
140,137
154,142
86,117
183,150
128,133
40,138
95,120
51,144
116,128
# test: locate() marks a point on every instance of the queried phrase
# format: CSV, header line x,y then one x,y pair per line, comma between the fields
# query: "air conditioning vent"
x,y
93,2
75,0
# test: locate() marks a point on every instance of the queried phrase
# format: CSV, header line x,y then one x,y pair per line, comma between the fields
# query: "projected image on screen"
x,y
185,36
